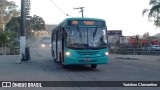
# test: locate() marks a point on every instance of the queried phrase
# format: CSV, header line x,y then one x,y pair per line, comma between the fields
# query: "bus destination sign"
x,y
85,23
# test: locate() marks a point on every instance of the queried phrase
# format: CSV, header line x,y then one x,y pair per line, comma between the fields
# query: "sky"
x,y
125,15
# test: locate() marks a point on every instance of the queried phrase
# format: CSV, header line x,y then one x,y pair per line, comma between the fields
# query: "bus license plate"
x,y
87,59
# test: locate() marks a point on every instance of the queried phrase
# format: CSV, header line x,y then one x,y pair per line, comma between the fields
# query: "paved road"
x,y
42,68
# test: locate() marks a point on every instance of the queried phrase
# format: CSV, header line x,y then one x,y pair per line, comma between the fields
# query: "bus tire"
x,y
93,66
60,58
55,60
65,66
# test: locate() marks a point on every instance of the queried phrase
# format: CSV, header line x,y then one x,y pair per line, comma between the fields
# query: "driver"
x,y
101,41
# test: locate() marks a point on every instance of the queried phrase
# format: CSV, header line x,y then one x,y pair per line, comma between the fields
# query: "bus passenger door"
x,y
54,46
63,43
59,45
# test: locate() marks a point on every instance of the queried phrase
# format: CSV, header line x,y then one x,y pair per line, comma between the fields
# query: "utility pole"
x,y
24,49
81,10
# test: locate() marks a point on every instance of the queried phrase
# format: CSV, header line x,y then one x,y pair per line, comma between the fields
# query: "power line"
x,y
59,8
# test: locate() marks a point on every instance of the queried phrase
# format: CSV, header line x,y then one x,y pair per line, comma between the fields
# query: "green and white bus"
x,y
80,41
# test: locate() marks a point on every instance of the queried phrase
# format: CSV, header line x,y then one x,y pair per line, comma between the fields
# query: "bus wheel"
x,y
93,66
55,60
60,58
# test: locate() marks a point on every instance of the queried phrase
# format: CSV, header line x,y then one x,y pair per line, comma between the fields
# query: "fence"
x,y
134,51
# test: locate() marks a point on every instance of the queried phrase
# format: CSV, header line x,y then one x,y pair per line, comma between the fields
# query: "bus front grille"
x,y
87,52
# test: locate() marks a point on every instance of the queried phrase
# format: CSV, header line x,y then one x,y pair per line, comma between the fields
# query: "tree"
x,y
153,12
138,41
14,25
35,23
7,11
38,23
146,35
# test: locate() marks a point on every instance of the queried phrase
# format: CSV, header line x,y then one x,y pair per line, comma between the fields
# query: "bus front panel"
x,y
85,56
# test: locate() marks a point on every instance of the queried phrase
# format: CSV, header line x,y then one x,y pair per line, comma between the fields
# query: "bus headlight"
x,y
50,45
43,45
68,53
106,53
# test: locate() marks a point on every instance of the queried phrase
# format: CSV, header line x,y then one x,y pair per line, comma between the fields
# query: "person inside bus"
x,y
101,41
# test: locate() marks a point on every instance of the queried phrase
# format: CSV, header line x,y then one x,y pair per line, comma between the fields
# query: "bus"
x,y
80,41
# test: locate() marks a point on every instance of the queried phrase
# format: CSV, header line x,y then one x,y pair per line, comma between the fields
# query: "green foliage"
x,y
7,11
6,41
6,37
2,38
38,23
153,12
14,25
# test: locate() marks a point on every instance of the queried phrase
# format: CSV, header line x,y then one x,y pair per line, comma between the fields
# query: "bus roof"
x,y
77,18
84,19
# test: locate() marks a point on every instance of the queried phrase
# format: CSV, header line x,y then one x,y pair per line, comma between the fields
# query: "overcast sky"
x,y
123,15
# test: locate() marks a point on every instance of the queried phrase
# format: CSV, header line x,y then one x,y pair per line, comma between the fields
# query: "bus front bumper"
x,y
87,60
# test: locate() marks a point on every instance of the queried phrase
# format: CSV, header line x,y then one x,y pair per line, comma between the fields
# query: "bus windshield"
x,y
86,38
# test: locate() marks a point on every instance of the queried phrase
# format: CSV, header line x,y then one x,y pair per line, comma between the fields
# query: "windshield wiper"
x,y
80,34
95,32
